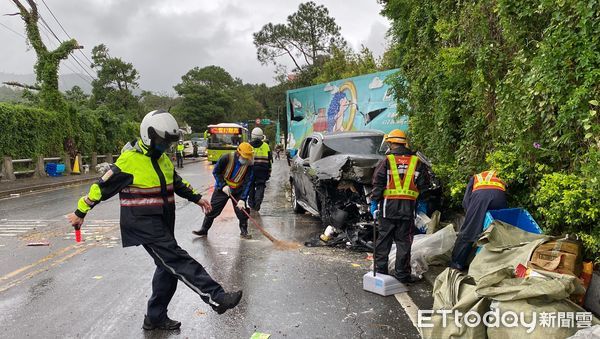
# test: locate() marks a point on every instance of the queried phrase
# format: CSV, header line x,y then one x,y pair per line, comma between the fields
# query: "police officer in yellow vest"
x,y
263,159
179,154
233,176
396,184
485,191
146,182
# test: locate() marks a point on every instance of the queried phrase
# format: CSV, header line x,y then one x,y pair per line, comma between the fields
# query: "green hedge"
x,y
510,85
29,131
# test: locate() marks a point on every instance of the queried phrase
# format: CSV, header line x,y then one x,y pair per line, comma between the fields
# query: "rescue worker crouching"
x,y
396,184
146,182
233,176
485,191
263,159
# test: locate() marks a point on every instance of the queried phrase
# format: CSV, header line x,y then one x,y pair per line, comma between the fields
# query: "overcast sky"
x,y
165,38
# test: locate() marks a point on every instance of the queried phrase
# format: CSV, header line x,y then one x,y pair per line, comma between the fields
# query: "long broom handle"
x,y
374,245
260,228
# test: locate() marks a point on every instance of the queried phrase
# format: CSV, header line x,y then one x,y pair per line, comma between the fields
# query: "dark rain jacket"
x,y
262,169
146,188
397,209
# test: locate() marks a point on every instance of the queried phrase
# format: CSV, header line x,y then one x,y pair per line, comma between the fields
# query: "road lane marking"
x,y
43,269
409,307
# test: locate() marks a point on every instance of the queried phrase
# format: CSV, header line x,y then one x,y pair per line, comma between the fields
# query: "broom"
x,y
279,244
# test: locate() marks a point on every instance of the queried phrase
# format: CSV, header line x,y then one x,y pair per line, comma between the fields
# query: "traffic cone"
x,y
76,166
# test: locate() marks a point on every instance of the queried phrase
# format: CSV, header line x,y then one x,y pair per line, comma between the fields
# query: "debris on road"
x,y
97,277
39,243
259,335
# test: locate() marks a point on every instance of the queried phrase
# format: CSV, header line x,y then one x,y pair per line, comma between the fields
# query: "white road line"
x,y
23,225
13,231
16,228
8,235
409,307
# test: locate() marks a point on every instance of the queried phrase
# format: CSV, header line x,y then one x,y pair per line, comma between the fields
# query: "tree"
x,y
46,67
115,80
211,95
345,63
77,96
308,34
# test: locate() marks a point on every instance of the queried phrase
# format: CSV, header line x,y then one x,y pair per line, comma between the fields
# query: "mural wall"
x,y
363,102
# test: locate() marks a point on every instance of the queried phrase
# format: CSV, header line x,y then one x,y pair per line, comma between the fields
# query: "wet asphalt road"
x,y
99,289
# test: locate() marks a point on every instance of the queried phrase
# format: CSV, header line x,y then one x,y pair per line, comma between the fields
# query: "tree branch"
x,y
18,84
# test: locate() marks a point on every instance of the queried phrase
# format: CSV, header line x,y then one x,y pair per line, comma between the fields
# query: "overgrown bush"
x,y
510,85
28,131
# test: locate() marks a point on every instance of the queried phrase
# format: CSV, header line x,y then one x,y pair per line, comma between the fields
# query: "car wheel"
x,y
295,206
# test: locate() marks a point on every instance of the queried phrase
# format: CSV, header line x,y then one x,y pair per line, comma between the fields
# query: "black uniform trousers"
x,y
399,231
257,194
174,263
479,203
179,157
218,202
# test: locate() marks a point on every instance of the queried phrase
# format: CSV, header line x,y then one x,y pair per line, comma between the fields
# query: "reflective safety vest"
x,y
397,188
261,154
180,148
234,181
488,180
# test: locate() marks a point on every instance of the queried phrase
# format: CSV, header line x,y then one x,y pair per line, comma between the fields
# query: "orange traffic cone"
x,y
76,166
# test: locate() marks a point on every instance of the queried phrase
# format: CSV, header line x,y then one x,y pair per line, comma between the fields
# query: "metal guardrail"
x,y
8,171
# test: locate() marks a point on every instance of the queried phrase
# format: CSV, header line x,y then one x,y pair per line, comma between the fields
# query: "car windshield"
x,y
225,139
352,145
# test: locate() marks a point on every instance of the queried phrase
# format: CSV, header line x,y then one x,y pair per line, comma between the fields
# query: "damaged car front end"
x,y
331,179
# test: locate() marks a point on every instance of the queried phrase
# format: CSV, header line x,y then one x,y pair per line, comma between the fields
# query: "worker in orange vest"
x,y
396,184
485,191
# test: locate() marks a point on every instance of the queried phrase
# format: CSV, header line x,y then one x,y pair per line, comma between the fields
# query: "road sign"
x,y
265,122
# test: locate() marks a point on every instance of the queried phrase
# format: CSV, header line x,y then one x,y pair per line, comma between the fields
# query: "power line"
x,y
12,30
44,31
64,30
44,23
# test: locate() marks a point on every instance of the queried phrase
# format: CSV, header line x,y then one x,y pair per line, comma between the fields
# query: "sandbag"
x,y
503,246
455,291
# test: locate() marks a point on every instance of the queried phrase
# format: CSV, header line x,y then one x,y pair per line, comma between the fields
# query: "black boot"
x,y
230,300
168,324
244,231
206,224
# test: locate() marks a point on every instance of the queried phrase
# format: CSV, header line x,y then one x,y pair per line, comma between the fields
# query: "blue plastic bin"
x,y
55,170
515,216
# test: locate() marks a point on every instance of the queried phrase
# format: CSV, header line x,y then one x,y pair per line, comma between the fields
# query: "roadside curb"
x,y
75,181
7,193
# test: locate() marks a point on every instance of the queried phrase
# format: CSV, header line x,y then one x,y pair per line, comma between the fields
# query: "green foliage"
x,y
43,132
114,82
566,204
211,95
510,85
34,131
309,34
345,63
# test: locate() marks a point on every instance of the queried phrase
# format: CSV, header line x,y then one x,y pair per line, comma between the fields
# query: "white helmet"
x,y
257,133
159,126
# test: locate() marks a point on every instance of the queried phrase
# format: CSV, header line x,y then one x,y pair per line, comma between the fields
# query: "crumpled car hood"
x,y
356,167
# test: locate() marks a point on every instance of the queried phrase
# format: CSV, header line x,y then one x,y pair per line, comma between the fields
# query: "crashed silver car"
x,y
331,177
